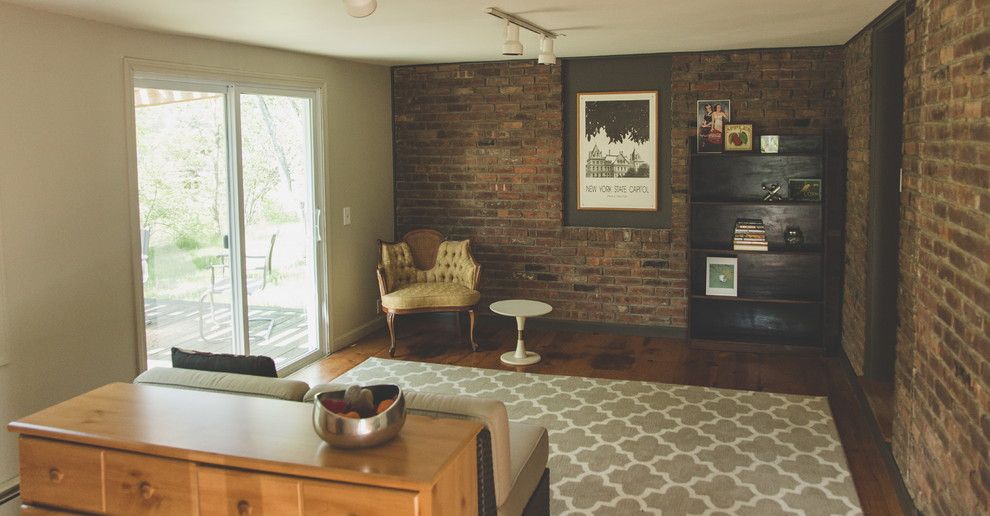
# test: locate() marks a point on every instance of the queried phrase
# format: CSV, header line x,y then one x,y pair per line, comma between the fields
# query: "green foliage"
x,y
621,120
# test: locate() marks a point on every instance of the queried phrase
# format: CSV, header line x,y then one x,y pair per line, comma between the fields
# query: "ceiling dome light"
x,y
512,46
360,8
546,51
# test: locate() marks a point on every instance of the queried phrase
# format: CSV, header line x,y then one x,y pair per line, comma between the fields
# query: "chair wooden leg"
x,y
390,321
471,315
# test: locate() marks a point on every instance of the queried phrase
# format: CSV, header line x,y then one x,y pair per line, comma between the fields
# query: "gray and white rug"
x,y
623,447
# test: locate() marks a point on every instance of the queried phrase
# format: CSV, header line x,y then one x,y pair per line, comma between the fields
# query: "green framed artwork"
x,y
721,278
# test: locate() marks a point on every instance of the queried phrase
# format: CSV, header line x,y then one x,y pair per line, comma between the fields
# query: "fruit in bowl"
x,y
359,417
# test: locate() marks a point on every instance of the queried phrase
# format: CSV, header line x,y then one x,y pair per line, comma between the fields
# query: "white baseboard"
x,y
357,334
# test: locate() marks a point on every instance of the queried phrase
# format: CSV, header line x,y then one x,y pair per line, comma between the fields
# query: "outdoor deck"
x,y
177,323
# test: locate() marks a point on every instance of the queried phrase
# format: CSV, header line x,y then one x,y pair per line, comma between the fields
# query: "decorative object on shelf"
x,y
769,143
772,192
721,276
793,236
618,151
738,137
712,117
804,190
750,235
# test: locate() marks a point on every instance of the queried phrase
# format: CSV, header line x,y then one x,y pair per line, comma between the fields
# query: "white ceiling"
x,y
438,31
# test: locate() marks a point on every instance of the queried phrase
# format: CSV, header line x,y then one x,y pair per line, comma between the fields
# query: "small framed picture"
x,y
769,143
712,117
809,190
738,137
720,277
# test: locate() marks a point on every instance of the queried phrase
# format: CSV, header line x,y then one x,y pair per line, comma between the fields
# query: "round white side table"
x,y
520,309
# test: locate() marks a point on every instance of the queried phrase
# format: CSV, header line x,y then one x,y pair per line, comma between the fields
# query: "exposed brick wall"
x,y
942,397
478,154
857,122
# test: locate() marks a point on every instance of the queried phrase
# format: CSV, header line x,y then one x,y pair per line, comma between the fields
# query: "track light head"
x,y
546,51
512,46
360,8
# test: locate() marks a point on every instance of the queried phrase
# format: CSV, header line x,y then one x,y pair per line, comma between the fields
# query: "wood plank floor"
x,y
625,357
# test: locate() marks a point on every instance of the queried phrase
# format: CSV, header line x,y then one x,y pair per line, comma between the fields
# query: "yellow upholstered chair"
x,y
424,272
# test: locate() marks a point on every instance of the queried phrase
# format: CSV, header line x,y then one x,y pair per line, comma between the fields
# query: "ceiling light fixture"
x,y
513,47
360,8
546,56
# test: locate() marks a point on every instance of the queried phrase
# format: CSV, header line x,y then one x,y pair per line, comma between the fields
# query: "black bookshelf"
x,y
780,292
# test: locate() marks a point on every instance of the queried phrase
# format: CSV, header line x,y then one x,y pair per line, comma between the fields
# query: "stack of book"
x,y
750,235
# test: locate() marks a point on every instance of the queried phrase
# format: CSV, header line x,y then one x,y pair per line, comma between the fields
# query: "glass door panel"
x,y
280,240
183,196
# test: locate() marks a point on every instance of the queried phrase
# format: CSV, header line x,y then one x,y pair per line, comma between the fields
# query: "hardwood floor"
x,y
627,357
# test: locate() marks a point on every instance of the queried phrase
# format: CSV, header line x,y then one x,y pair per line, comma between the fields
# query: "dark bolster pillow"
x,y
224,363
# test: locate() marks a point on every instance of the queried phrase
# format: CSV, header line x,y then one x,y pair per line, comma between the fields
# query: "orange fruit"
x,y
352,414
384,405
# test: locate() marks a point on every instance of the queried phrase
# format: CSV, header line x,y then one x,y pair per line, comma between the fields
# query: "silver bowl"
x,y
344,432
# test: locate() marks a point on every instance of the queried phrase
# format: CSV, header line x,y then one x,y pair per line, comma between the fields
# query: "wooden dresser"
x,y
139,449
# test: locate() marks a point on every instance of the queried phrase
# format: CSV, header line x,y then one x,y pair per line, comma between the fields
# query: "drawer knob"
x,y
146,490
243,507
55,475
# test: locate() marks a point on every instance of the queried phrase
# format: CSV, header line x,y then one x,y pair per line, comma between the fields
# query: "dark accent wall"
x,y
632,73
479,154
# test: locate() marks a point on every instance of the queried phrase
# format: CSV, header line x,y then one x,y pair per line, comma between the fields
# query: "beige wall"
x,y
66,208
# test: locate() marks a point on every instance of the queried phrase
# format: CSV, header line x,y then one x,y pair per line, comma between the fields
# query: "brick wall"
x,y
478,155
857,103
942,397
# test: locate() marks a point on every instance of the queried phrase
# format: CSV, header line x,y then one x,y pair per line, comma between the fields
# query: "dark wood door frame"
x,y
883,225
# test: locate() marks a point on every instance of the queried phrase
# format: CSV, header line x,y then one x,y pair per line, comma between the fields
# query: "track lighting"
x,y
512,46
546,56
360,8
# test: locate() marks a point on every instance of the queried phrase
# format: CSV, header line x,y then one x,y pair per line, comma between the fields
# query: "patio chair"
x,y
258,269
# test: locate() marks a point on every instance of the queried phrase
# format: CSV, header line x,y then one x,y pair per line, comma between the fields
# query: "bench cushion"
x,y
231,383
530,450
430,295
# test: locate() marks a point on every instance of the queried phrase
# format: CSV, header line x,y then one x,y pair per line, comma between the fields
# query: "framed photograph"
x,y
618,151
769,143
738,137
809,190
720,276
712,117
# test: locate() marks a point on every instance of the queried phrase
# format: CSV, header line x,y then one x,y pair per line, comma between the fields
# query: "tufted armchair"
x,y
423,272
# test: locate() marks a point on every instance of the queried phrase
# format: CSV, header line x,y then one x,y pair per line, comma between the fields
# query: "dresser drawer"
x,y
141,484
232,492
62,475
333,499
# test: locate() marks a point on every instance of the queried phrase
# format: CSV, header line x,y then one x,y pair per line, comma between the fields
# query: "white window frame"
x,y
145,73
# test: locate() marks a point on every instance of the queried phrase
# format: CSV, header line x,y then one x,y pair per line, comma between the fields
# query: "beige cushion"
x,y
529,454
430,295
491,413
243,384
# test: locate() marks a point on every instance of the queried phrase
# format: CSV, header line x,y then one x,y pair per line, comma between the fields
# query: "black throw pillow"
x,y
224,363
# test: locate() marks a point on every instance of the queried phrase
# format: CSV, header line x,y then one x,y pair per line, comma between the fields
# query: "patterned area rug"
x,y
621,447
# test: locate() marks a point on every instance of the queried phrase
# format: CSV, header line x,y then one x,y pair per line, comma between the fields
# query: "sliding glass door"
x,y
229,211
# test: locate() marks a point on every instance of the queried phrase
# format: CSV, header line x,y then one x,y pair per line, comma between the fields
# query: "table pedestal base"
x,y
520,356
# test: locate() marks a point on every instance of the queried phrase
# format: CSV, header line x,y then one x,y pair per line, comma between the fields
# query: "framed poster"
x,y
720,276
618,151
712,117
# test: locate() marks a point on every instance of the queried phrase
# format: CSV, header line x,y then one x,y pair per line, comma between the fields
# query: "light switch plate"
x,y
347,216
